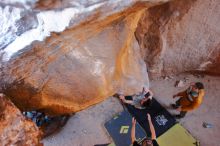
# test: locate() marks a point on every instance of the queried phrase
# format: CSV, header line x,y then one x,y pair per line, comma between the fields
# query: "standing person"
x,y
148,141
141,100
190,99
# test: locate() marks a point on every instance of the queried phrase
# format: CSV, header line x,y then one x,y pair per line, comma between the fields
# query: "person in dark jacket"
x,y
149,141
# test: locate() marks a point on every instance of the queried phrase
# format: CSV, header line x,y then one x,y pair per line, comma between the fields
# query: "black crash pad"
x,y
161,118
119,128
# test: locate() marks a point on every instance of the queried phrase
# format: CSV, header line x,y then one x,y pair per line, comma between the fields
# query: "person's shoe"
x,y
174,106
178,116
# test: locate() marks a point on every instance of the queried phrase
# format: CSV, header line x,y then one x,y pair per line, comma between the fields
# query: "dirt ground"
x,y
86,127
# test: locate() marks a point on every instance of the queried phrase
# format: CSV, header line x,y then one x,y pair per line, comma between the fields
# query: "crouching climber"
x,y
141,100
190,99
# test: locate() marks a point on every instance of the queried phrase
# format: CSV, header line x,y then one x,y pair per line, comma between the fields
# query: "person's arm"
x,y
180,94
151,94
128,101
124,100
152,130
145,90
133,138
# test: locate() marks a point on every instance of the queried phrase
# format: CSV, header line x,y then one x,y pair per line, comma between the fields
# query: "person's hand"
x,y
121,97
133,121
145,89
179,109
148,117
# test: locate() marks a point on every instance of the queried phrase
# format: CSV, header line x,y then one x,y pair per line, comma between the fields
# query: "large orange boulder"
x,y
81,52
78,67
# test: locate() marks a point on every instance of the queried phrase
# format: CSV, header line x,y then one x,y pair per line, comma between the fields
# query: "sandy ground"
x,y
86,127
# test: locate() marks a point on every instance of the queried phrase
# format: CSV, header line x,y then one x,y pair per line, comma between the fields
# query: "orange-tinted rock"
x,y
181,36
79,67
14,128
98,54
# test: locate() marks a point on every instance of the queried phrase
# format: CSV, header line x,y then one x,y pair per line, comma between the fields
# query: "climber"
x,y
141,100
189,99
148,141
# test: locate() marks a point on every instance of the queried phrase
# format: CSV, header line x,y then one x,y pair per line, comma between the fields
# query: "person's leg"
x,y
175,106
178,102
182,94
181,115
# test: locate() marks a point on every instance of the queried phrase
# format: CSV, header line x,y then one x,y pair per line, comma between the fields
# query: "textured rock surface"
x,y
79,67
180,36
14,128
94,53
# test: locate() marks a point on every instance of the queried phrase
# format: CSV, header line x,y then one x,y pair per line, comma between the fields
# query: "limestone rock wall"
x,y
181,36
14,128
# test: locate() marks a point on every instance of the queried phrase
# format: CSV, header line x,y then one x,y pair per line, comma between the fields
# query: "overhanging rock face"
x,y
78,67
77,53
